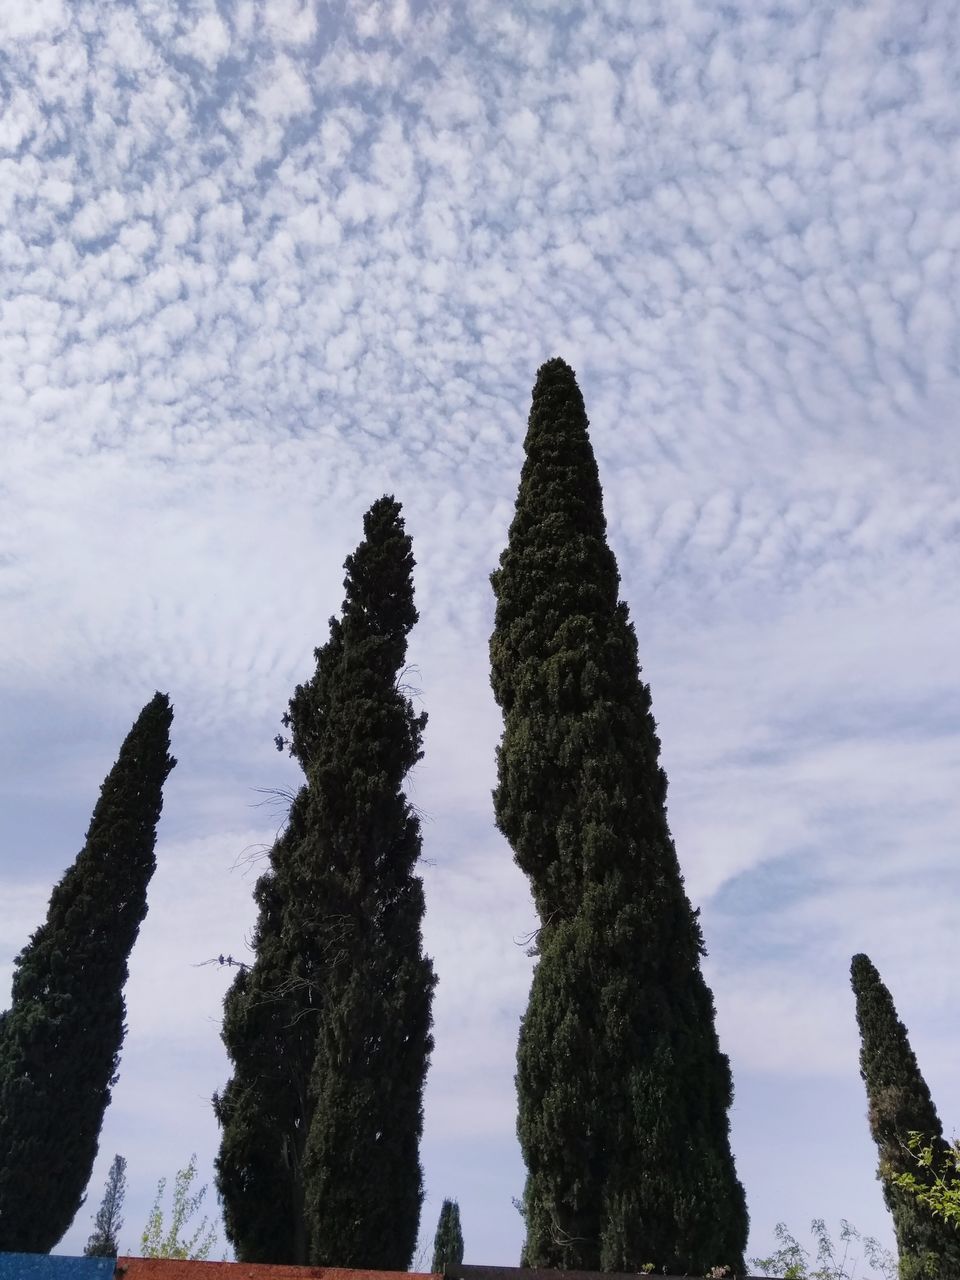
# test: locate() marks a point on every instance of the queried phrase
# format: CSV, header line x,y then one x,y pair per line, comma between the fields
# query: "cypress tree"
x,y
898,1104
329,1028
448,1242
104,1242
60,1040
269,1032
623,1092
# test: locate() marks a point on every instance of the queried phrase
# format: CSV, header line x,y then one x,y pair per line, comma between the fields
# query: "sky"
x,y
264,261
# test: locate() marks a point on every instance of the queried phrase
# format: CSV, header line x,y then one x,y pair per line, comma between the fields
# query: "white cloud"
x,y
25,22
290,21
99,217
284,92
19,121
209,40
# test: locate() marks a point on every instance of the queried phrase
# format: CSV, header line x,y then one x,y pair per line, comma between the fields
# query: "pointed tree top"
x,y
557,543
900,1099
378,581
862,969
558,430
557,402
884,1037
158,710
555,370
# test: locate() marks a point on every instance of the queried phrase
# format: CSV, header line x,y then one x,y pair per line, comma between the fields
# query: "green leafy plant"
x,y
936,1184
160,1241
834,1261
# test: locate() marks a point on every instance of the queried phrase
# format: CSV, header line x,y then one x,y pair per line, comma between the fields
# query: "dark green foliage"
x,y
60,1040
329,1029
898,1104
269,1031
448,1242
104,1242
623,1091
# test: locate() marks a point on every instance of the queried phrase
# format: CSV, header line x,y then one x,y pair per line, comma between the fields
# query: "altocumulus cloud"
x,y
262,262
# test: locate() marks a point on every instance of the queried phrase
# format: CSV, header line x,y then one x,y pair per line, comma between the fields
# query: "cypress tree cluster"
x,y
448,1241
623,1091
60,1039
329,1028
898,1104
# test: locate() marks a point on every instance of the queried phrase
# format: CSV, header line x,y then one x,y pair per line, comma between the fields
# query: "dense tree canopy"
x,y
60,1040
448,1240
623,1090
898,1104
329,1028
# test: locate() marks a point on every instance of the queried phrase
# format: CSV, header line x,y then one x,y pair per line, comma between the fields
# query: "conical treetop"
x,y
899,1097
60,1040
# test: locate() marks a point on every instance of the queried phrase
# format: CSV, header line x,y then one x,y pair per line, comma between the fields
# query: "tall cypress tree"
x,y
329,1029
899,1103
104,1241
60,1039
448,1241
623,1091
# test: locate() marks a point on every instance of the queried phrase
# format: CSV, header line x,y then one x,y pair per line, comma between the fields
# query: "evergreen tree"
x,y
623,1091
60,1040
329,1029
269,1029
104,1242
448,1242
898,1104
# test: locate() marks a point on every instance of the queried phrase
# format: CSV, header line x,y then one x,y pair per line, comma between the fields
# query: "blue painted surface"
x,y
46,1266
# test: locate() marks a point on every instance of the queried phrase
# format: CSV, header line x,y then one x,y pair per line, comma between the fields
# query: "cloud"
x,y
47,17
209,40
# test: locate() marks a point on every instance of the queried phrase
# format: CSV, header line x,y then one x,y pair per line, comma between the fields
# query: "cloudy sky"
x,y
264,260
